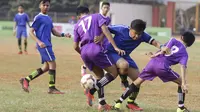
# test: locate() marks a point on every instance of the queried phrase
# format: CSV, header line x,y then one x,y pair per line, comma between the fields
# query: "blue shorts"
x,y
115,57
21,31
47,54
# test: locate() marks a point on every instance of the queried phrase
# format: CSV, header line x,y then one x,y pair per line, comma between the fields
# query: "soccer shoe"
x,y
20,52
25,52
54,91
133,106
117,106
25,84
89,98
83,70
182,110
102,108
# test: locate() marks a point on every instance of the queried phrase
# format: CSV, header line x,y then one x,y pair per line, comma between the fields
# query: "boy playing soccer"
x,y
20,28
174,52
43,26
129,38
93,54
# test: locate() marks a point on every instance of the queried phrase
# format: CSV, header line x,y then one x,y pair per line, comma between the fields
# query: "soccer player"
x,y
21,18
93,54
129,38
173,53
43,26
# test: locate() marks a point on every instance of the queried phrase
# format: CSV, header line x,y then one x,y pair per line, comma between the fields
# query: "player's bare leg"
x,y
25,45
181,96
52,79
25,81
123,67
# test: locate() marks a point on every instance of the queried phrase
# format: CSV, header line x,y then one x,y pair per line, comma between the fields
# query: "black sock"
x,y
105,80
181,98
25,45
132,88
124,80
34,74
52,78
20,44
133,96
102,82
101,96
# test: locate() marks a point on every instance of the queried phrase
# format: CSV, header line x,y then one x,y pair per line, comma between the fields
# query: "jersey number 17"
x,y
86,22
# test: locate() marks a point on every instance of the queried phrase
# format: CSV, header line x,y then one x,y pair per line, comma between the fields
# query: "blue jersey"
x,y
43,25
124,41
21,19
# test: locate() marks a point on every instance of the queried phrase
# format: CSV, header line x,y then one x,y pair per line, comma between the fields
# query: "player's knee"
x,y
123,67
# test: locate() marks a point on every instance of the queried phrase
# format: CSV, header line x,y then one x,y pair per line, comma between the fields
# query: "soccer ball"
x,y
88,81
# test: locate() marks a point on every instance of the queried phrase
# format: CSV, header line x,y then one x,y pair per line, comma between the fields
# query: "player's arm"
x,y
76,47
183,76
28,24
110,39
33,36
55,33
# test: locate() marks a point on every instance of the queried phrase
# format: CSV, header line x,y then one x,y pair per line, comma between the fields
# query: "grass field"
x,y
154,96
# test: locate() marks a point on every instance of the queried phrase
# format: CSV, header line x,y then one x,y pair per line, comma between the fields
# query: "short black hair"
x,y
188,38
82,10
20,5
105,3
138,25
44,1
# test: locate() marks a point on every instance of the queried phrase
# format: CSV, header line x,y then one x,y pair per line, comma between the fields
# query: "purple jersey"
x,y
21,19
160,65
178,53
88,27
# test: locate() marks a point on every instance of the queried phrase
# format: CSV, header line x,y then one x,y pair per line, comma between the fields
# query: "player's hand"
x,y
97,39
166,50
41,44
120,52
14,32
184,88
150,54
68,35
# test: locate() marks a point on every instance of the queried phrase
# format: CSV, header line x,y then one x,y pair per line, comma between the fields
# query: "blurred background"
x,y
175,15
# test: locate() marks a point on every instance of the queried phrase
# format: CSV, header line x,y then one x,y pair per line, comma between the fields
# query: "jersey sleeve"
x,y
170,43
101,20
76,36
147,38
36,23
114,29
184,61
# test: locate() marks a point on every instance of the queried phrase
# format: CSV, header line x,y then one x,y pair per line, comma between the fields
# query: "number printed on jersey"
x,y
174,49
86,23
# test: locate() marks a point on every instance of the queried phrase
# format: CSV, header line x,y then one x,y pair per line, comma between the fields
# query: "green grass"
x,y
154,96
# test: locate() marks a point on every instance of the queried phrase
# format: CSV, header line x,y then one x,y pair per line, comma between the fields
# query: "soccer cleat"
x,y
133,106
25,84
83,70
20,52
25,52
182,110
54,91
89,98
102,108
117,106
